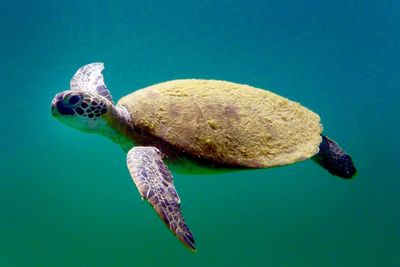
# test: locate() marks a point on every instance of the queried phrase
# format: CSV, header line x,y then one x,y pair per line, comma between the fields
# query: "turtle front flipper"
x,y
334,159
155,184
90,79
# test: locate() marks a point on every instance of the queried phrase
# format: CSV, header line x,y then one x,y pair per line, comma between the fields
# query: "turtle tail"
x,y
334,159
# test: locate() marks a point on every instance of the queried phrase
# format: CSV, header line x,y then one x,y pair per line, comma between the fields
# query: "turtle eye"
x,y
72,99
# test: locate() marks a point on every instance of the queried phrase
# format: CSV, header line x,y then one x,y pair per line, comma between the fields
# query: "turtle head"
x,y
88,106
81,110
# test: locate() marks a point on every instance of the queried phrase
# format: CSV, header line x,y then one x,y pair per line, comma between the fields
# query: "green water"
x,y
66,198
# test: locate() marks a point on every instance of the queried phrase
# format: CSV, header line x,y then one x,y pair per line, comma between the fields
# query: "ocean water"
x,y
66,198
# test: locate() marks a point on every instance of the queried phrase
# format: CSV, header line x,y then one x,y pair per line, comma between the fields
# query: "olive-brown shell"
x,y
225,122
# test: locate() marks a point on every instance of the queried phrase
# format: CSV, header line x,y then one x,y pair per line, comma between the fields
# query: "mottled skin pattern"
x,y
80,103
154,182
89,78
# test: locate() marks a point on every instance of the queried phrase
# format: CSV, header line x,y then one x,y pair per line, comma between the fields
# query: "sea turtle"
x,y
196,126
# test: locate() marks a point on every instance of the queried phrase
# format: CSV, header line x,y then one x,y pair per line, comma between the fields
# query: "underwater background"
x,y
66,198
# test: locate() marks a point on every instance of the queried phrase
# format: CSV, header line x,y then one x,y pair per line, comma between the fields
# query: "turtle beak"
x,y
54,110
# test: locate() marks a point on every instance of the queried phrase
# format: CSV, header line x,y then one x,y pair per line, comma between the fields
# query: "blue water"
x,y
66,198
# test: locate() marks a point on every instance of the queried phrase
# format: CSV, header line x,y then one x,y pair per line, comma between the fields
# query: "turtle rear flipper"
x,y
334,159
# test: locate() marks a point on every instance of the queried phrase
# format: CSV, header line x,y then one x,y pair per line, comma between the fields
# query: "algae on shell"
x,y
228,123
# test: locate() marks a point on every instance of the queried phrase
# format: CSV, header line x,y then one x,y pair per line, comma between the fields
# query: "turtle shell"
x,y
226,123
